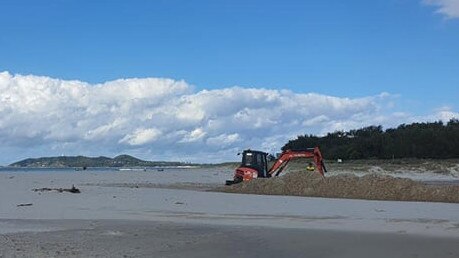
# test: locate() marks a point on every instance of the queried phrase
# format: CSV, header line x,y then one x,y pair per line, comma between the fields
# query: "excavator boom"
x,y
288,155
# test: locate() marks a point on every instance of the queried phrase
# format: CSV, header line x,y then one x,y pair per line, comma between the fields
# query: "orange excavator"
x,y
255,164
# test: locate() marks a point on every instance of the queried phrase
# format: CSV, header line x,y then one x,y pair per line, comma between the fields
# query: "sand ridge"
x,y
371,187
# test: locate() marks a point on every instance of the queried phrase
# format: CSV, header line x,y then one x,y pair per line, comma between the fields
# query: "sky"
x,y
198,81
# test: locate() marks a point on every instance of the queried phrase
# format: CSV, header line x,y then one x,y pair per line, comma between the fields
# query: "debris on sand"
x,y
24,204
371,187
60,190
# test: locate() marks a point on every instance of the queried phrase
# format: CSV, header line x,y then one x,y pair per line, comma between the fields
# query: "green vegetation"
x,y
418,140
81,161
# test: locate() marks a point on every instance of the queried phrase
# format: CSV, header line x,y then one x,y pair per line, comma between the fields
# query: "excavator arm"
x,y
288,155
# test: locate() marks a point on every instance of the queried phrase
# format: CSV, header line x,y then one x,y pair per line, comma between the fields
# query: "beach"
x,y
133,238
174,213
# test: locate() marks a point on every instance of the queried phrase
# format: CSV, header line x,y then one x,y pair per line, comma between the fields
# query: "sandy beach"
x,y
172,214
127,238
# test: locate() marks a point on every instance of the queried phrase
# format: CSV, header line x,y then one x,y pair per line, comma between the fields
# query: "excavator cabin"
x,y
256,160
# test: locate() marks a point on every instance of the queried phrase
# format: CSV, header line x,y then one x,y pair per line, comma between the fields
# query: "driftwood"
x,y
24,204
60,190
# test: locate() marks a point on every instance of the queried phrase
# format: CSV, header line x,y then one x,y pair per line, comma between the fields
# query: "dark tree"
x,y
417,140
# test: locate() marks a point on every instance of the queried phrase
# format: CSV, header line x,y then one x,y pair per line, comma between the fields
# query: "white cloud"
x,y
141,136
224,139
193,136
443,113
448,8
164,119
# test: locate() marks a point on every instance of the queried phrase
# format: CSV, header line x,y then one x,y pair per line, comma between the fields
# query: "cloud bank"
x,y
165,119
448,8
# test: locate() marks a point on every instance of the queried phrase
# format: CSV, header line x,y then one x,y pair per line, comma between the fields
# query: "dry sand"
x,y
446,167
370,187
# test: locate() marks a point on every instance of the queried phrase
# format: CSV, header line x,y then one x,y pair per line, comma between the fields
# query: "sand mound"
x,y
371,186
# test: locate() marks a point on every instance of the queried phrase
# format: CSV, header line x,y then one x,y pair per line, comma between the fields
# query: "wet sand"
x,y
124,238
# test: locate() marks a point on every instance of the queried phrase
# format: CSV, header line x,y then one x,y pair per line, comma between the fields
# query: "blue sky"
x,y
337,49
340,48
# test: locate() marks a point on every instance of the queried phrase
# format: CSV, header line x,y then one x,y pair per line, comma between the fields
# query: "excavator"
x,y
255,163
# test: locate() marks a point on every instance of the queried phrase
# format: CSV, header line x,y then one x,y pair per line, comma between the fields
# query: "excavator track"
x,y
235,181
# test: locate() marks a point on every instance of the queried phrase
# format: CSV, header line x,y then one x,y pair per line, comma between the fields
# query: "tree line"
x,y
417,140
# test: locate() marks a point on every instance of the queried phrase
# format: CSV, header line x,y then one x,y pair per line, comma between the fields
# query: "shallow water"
x,y
90,169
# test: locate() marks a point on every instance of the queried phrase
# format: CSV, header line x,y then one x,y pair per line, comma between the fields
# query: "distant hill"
x,y
82,161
